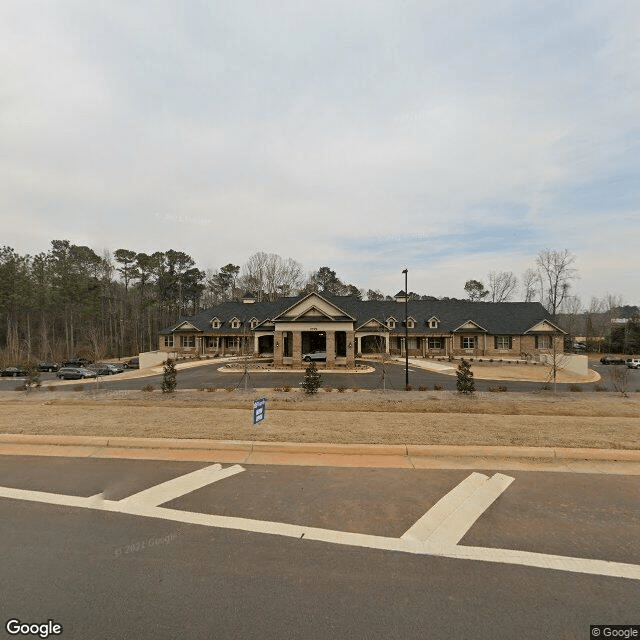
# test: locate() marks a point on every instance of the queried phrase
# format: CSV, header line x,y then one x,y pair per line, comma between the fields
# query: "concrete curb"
x,y
332,449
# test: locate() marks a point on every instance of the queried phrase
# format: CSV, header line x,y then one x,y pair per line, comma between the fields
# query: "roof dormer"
x,y
254,322
235,322
391,322
215,323
433,322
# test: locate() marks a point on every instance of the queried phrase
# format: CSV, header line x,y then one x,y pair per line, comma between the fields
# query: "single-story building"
x,y
346,327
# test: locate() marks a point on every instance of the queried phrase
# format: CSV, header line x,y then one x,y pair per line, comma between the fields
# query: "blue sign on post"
x,y
259,410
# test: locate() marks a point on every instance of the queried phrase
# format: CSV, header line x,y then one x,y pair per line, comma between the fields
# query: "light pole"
x,y
406,332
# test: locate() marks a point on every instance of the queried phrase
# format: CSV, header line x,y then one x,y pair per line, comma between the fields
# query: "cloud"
x,y
364,135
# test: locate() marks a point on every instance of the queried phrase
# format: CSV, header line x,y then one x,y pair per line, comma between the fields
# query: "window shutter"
x,y
536,342
495,342
510,342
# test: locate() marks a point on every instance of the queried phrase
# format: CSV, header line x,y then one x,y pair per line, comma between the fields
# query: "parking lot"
x,y
132,548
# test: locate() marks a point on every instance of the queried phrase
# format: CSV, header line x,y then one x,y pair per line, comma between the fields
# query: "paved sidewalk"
x,y
614,461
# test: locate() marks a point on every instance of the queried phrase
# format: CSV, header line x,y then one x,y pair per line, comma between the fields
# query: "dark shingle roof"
x,y
495,317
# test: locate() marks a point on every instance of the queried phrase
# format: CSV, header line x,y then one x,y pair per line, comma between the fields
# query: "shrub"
x,y
422,388
229,389
575,387
408,387
438,387
499,389
201,389
327,389
20,387
148,388
342,389
169,382
286,387
211,389
546,387
51,388
312,379
465,383
355,389
599,387
33,379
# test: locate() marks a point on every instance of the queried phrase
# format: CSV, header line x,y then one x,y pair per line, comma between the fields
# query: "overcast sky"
x,y
453,138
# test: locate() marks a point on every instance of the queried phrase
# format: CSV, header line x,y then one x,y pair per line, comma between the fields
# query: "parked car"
x,y
75,362
612,360
633,363
75,373
14,372
318,354
133,363
48,366
105,368
579,346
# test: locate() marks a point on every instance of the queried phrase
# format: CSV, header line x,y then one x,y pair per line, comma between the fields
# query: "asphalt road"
x,y
104,574
208,375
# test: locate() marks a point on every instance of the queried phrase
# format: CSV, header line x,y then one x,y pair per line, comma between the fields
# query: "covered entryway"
x,y
265,345
314,341
373,344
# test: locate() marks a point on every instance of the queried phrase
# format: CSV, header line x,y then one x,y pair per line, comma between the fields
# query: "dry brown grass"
x,y
602,420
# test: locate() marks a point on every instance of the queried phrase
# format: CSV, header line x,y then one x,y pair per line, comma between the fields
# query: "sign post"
x,y
259,410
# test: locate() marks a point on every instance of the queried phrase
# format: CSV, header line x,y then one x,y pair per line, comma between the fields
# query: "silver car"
x,y
318,354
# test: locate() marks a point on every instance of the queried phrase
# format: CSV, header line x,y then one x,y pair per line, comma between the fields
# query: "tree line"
x,y
71,300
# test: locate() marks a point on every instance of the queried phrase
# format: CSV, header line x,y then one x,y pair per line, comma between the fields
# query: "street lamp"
x,y
406,332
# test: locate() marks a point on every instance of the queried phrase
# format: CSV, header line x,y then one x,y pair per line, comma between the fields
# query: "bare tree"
x,y
557,272
530,284
502,285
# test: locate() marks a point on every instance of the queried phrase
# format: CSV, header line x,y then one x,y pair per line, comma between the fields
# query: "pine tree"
x,y
312,379
169,377
465,383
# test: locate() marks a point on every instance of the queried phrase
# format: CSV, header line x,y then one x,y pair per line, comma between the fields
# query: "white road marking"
x,y
453,528
181,485
445,507
453,521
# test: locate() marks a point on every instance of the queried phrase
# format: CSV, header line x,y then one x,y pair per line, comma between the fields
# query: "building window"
x,y
413,343
410,325
433,323
188,342
391,323
233,343
168,341
436,343
235,323
254,323
543,342
503,342
215,323
468,342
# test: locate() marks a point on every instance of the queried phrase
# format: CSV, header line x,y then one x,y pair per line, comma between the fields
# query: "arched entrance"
x,y
373,344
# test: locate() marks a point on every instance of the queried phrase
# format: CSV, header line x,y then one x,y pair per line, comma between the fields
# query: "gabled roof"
x,y
287,313
493,317
470,325
373,322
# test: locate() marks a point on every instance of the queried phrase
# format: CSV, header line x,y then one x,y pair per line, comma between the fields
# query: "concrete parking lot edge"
x,y
324,454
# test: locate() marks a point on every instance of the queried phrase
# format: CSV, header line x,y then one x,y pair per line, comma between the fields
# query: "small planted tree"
x,y
312,379
33,378
465,383
169,376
